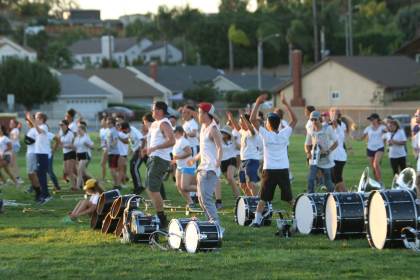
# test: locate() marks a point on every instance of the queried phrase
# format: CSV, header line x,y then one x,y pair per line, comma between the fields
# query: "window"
x,y
418,57
335,95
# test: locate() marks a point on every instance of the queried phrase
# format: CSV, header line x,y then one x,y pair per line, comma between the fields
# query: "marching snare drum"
x,y
142,226
202,236
308,212
245,210
105,201
344,215
387,213
176,232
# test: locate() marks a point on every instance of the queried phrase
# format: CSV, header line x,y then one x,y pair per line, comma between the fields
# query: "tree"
x,y
58,56
408,20
235,36
202,92
31,82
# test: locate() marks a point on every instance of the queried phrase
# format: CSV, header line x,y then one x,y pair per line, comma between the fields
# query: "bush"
x,y
202,92
239,99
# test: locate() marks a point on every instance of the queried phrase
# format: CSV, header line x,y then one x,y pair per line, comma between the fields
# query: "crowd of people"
x,y
197,149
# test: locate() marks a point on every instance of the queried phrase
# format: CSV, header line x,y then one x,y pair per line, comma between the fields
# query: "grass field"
x,y
39,245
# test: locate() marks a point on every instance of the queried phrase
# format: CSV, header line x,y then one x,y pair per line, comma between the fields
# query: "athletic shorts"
x,y
156,167
69,155
187,170
31,165
82,156
249,171
113,161
270,179
225,164
371,153
337,171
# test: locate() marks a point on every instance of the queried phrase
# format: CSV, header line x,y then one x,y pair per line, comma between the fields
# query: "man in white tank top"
x,y
210,157
161,141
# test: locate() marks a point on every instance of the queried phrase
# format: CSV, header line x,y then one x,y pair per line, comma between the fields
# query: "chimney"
x,y
297,99
107,47
153,70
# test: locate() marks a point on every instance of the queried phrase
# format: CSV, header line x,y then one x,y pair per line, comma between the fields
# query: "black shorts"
x,y
270,179
371,153
225,164
113,161
82,156
69,155
337,171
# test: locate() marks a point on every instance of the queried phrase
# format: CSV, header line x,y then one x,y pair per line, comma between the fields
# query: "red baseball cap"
x,y
208,108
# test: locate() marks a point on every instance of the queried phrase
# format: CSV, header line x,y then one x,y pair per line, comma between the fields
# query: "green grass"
x,y
38,245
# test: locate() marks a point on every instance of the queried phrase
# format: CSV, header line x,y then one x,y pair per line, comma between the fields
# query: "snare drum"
x,y
245,210
202,236
388,212
308,212
176,232
344,215
142,226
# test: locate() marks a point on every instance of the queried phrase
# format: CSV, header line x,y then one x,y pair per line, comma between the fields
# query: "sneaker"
x,y
194,198
255,225
193,207
45,200
219,205
324,188
19,180
29,190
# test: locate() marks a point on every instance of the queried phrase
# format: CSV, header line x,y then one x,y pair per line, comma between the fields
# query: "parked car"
x,y
405,122
118,111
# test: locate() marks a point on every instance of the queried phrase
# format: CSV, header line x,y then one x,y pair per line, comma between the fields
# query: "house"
x,y
163,52
8,49
411,49
129,19
178,78
90,52
123,85
78,93
245,82
352,82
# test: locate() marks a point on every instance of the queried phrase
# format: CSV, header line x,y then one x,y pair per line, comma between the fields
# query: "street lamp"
x,y
260,55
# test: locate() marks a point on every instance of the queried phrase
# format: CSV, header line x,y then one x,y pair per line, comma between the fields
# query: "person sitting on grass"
x,y
85,206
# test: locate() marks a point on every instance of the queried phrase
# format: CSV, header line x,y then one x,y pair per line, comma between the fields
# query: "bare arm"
x,y
248,124
290,112
217,138
233,121
187,151
253,118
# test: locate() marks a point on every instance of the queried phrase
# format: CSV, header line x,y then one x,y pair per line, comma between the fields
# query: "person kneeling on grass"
x,y
85,206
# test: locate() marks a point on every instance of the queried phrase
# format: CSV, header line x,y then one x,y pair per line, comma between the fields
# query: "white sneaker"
x,y
418,201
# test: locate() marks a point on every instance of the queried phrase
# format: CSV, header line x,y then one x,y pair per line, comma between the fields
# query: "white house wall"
x,y
7,51
88,107
116,96
222,84
174,55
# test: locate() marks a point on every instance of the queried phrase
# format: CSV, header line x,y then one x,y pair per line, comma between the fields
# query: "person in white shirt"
x,y
66,137
70,116
323,141
229,160
375,144
51,174
42,148
87,206
184,175
31,159
14,134
159,148
103,133
396,139
250,156
123,141
210,157
6,150
276,161
113,152
82,144
136,139
339,154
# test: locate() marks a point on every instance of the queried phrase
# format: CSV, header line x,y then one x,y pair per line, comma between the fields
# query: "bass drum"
x,y
388,212
344,215
309,211
176,232
245,210
105,201
202,236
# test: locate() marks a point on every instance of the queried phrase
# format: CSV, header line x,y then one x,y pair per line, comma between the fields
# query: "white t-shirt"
x,y
260,147
112,141
42,142
94,198
249,145
14,136
340,154
178,149
396,151
275,147
188,127
375,137
81,142
229,150
136,138
66,140
103,134
122,147
4,141
324,138
31,134
73,126
51,138
236,138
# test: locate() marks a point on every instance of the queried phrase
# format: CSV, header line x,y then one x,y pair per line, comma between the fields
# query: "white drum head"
x,y
175,234
191,237
240,212
331,217
377,221
304,215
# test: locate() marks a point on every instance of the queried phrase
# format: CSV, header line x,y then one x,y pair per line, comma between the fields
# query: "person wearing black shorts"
x,y
276,162
339,154
229,159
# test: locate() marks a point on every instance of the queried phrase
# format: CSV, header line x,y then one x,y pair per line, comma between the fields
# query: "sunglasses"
x,y
314,120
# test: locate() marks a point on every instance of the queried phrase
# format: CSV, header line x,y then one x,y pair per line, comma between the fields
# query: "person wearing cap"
x,y
375,144
210,157
87,206
184,174
229,160
159,148
276,161
396,139
320,143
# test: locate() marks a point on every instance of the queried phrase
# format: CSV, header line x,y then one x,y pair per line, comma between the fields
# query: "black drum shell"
x,y
96,220
119,204
109,225
148,224
105,201
212,231
319,201
252,202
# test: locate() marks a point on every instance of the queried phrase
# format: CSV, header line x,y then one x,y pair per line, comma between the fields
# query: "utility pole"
x,y
315,24
350,23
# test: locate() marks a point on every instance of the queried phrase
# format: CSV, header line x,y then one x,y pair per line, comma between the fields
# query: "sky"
x,y
113,9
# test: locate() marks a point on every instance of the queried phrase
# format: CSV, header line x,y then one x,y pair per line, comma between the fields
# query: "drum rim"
x,y
240,199
197,246
314,215
181,231
336,216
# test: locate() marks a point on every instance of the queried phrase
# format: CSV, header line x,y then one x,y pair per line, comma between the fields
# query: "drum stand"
x,y
286,227
413,234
